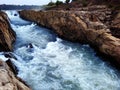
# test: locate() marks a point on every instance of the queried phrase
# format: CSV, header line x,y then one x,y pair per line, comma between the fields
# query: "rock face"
x,y
115,25
88,27
7,35
8,80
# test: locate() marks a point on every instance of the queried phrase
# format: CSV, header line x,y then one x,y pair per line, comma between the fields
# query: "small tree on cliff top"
x,y
67,1
58,2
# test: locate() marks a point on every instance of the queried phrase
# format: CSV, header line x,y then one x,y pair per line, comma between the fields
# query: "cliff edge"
x,y
7,35
8,77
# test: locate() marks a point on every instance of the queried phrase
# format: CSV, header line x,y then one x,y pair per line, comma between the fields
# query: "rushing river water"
x,y
47,62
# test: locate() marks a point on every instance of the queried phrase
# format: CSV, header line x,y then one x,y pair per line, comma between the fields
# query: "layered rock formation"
x,y
8,80
7,35
90,27
115,25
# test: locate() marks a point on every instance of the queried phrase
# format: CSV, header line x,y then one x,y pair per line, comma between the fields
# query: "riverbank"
x,y
95,25
8,72
7,35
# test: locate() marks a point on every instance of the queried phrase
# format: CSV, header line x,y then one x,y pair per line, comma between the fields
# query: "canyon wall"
x,y
7,35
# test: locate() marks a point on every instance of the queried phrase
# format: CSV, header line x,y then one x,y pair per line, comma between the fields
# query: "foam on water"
x,y
14,18
55,64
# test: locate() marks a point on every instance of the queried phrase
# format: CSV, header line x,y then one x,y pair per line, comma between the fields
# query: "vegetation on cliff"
x,y
113,4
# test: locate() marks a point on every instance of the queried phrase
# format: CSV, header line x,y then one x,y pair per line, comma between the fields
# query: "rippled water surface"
x,y
46,62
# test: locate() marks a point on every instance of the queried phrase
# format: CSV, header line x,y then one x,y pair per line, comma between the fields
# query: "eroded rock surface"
x,y
8,80
7,35
91,27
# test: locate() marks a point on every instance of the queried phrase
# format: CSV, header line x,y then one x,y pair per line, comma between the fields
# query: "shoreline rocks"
x,y
7,35
8,80
86,27
8,71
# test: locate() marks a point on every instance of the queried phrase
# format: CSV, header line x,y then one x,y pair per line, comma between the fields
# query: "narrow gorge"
x,y
53,50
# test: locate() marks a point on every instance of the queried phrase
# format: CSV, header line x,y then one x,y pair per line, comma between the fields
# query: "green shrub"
x,y
51,3
67,1
58,2
75,0
84,2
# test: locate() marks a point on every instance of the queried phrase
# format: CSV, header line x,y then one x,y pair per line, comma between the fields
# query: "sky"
x,y
26,2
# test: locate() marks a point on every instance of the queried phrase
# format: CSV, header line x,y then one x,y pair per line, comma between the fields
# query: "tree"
x,y
51,3
67,1
58,2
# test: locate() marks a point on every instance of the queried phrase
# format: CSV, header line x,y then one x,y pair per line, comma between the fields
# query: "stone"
x,y
8,80
10,55
12,66
15,14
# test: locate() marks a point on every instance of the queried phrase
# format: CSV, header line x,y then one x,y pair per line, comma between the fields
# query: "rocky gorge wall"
x,y
7,35
8,74
89,27
8,80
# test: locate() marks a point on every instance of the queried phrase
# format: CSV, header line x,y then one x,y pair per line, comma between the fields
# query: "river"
x,y
46,62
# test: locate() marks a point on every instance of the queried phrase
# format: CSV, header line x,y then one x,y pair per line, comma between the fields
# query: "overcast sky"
x,y
26,2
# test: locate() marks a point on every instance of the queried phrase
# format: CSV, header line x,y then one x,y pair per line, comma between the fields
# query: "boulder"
x,y
8,80
7,35
10,55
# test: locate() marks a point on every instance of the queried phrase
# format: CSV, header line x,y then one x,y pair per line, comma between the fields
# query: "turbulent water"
x,y
46,62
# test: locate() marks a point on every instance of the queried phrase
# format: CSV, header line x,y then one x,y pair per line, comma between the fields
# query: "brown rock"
x,y
7,35
8,81
115,25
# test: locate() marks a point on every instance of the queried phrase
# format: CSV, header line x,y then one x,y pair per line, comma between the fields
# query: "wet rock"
x,y
9,55
8,80
12,66
30,48
7,35
15,14
30,45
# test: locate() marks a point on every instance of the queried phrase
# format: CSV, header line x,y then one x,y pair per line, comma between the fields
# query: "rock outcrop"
x,y
90,27
8,80
7,35
115,25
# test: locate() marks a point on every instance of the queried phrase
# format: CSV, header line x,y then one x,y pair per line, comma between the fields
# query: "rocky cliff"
x,y
8,80
84,26
7,35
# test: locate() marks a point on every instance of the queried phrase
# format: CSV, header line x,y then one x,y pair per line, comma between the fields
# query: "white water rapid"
x,y
47,62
